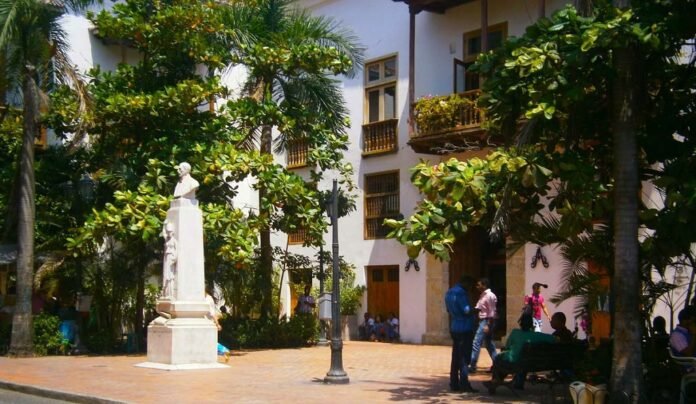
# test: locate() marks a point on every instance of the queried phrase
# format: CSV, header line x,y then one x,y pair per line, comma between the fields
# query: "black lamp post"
x,y
335,375
322,324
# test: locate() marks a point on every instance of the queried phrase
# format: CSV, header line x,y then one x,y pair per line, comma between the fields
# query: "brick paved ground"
x,y
378,372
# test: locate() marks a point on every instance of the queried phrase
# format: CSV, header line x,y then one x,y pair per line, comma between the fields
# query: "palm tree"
x,y
278,25
34,51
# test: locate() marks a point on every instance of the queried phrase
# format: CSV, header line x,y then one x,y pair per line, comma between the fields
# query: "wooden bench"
x,y
540,357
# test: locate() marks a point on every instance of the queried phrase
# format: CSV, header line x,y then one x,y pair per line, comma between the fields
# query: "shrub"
x,y
47,336
298,331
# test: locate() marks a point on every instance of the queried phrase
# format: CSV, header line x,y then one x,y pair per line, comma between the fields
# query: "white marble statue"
x,y
169,261
183,336
187,186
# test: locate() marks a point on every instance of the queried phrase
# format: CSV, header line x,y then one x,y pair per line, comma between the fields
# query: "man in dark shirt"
x,y
561,332
462,332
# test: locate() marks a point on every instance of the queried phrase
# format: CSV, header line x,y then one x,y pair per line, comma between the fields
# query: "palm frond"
x,y
326,32
251,140
67,73
9,11
52,262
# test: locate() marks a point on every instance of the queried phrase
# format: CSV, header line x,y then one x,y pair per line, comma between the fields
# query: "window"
x,y
381,202
472,47
379,129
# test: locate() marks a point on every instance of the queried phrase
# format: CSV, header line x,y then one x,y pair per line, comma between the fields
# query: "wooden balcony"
x,y
297,237
458,132
380,137
297,152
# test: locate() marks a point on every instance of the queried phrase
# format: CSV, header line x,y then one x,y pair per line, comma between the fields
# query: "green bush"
x,y
47,336
298,331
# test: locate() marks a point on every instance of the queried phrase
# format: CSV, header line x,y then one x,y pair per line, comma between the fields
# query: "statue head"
x,y
183,169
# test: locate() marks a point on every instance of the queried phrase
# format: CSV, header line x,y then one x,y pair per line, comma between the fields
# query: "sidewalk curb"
x,y
56,394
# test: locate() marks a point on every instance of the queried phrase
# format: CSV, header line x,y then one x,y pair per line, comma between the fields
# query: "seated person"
x,y
365,330
560,331
660,338
505,360
379,330
393,327
682,341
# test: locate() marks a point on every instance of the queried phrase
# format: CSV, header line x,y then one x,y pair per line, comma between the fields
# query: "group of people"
x,y
376,329
467,339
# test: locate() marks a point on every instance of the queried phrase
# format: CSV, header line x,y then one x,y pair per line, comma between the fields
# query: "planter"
x,y
583,393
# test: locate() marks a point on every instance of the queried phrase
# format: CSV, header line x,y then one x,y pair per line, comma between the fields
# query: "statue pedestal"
x,y
182,343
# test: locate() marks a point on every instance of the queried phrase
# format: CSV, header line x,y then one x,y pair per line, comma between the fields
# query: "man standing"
x,y
486,307
462,332
305,303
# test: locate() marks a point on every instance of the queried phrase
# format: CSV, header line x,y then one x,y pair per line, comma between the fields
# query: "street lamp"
x,y
322,324
335,375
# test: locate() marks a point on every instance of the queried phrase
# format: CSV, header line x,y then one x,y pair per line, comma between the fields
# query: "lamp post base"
x,y
336,379
336,374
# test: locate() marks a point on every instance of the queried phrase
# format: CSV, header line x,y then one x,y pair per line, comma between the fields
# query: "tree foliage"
x,y
153,114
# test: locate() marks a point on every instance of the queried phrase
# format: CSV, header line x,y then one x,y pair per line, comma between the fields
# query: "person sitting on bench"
x,y
504,362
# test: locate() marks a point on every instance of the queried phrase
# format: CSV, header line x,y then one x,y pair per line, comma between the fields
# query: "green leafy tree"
x,y
33,50
151,115
559,175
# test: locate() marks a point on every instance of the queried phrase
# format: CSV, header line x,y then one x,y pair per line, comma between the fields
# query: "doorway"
x,y
382,290
477,256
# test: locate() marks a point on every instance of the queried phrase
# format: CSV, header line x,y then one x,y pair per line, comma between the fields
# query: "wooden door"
x,y
383,290
478,257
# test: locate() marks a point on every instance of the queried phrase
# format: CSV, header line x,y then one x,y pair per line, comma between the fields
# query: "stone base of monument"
x,y
182,344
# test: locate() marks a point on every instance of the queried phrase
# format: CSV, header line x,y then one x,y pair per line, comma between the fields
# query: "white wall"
x,y
383,28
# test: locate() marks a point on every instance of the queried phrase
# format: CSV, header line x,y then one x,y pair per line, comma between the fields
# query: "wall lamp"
x,y
539,256
412,263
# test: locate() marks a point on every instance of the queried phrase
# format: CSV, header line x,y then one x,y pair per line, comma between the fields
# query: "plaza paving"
x,y
378,372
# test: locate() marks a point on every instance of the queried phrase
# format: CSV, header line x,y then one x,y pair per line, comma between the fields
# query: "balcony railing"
x,y
297,237
380,137
297,151
447,122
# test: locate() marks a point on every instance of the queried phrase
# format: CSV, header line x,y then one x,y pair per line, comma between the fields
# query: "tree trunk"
x,y
266,264
22,327
626,377
584,7
139,329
